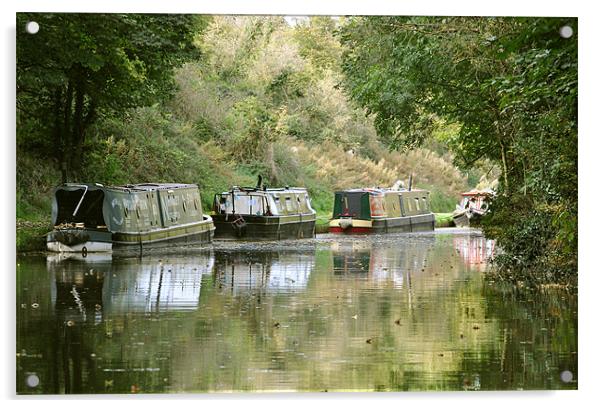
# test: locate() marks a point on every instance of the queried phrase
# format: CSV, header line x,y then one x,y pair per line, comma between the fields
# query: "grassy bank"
x,y
443,220
31,236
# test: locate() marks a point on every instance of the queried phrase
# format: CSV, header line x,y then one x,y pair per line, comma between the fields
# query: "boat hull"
x,y
423,222
83,241
264,227
467,218
84,247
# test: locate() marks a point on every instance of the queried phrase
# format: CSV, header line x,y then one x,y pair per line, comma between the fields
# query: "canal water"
x,y
378,313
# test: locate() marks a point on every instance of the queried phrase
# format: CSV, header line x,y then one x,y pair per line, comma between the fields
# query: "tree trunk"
x,y
65,131
59,144
77,133
504,167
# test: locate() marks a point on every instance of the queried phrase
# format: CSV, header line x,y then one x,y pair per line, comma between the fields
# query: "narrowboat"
x,y
376,210
473,206
97,218
264,213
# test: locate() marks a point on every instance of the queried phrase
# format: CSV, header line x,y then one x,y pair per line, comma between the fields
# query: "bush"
x,y
533,252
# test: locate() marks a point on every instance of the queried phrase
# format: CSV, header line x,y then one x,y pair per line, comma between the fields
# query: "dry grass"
x,y
342,170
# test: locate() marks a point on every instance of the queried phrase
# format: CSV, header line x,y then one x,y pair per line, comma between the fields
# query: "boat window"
x,y
256,205
289,204
279,203
272,204
246,204
417,203
172,207
184,205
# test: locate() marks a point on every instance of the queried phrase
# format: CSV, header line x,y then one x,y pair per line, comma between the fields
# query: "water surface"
x,y
382,313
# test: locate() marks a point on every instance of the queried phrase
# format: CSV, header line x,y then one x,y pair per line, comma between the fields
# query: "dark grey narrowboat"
x,y
264,213
96,218
376,210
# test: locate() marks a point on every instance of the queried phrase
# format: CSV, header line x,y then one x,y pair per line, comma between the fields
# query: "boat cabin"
x,y
475,199
367,203
263,202
128,208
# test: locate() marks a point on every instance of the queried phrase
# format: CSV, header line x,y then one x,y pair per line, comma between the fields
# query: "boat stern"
x,y
349,226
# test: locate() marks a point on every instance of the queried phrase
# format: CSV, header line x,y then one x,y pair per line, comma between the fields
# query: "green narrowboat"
x,y
375,210
97,218
264,213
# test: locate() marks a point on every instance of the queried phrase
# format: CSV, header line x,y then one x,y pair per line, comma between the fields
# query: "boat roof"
x,y
128,187
475,192
376,190
267,190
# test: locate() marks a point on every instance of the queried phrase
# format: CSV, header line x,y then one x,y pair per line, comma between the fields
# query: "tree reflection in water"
x,y
397,312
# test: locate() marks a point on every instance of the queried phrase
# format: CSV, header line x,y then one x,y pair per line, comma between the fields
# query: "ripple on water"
x,y
380,312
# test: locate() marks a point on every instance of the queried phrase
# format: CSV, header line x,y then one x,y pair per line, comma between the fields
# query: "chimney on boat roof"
x,y
259,179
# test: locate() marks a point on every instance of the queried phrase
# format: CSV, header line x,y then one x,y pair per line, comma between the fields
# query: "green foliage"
x,y
31,236
317,42
36,177
510,84
80,67
440,202
152,146
443,220
532,242
259,98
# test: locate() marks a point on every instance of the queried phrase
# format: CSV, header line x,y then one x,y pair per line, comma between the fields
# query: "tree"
x,y
511,86
79,67
317,42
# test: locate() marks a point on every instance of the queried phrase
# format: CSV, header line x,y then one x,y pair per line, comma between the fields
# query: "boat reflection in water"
x,y
270,271
148,284
102,304
382,313
381,263
474,250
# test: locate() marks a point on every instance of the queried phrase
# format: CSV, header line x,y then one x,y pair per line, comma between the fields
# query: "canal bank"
x,y
31,235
